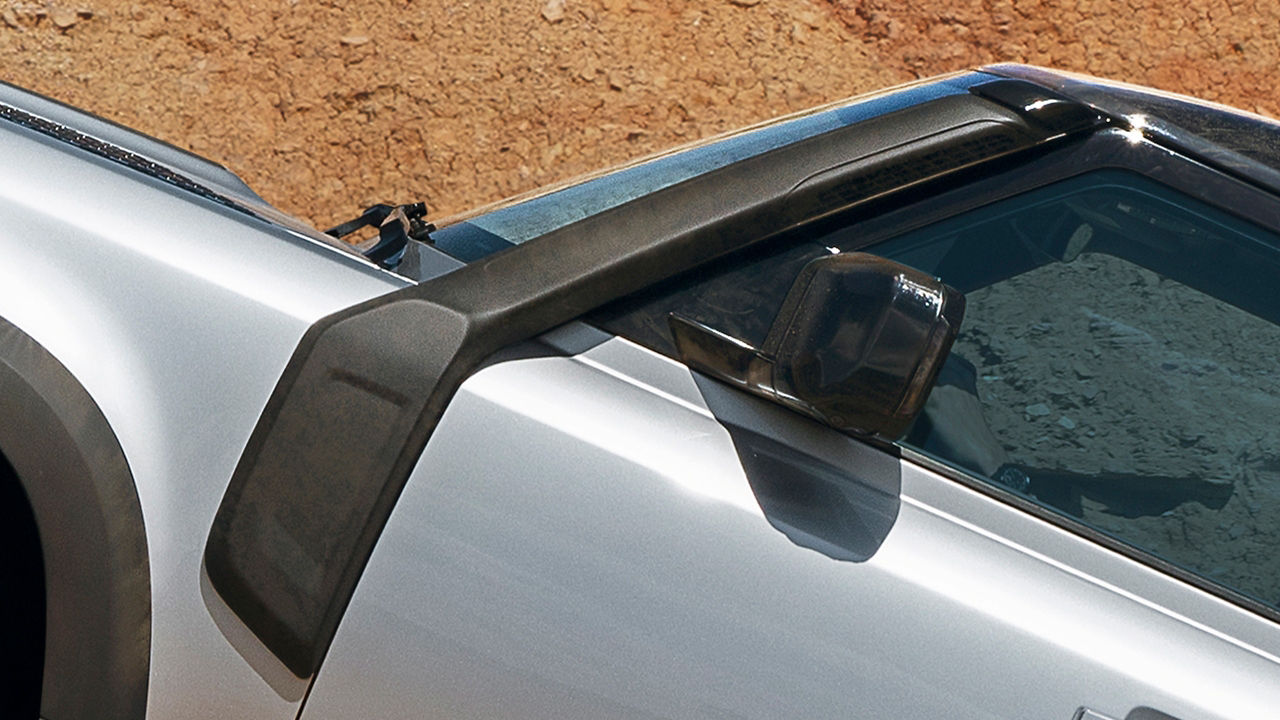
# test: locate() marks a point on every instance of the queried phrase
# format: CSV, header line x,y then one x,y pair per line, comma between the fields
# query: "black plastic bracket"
x,y
396,225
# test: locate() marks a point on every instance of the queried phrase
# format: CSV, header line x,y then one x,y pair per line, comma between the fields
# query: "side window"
x,y
1116,364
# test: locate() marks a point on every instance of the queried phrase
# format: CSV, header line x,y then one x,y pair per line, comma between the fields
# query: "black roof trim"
x,y
1106,99
366,387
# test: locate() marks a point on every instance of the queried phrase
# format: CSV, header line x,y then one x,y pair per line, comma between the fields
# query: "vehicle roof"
x,y
1240,143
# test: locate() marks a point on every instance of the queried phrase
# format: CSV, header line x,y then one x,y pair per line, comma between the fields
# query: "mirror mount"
x,y
857,344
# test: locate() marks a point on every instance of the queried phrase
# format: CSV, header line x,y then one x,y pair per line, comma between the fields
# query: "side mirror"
x,y
857,344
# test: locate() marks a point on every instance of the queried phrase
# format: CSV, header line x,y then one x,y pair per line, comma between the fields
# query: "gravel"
x,y
1154,379
326,108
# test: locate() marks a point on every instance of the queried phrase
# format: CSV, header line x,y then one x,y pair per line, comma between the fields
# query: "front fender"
x,y
97,578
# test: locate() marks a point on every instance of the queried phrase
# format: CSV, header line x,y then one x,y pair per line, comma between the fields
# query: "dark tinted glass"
x,y
1117,361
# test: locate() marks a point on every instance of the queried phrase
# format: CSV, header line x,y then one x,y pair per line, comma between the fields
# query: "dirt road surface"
x,y
327,106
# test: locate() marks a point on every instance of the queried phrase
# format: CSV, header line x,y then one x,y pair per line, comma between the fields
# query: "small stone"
x,y
808,18
553,11
1038,410
1067,422
1118,466
63,17
10,18
1056,391
1187,438
590,67
1016,350
354,40
745,3
1082,371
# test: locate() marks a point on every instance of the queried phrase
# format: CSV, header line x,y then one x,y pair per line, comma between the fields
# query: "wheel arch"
x,y
93,541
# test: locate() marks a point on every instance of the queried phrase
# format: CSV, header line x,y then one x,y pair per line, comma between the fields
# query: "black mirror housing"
x,y
857,344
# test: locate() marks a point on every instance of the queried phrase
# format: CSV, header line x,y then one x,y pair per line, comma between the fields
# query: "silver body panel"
x,y
215,178
581,537
177,316
579,540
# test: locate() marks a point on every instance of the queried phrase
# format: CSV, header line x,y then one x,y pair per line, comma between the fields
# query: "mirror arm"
x,y
722,356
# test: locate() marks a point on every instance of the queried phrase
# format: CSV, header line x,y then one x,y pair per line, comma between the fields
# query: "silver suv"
x,y
950,401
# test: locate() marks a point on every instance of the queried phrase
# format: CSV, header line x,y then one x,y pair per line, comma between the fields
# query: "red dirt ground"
x,y
326,106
